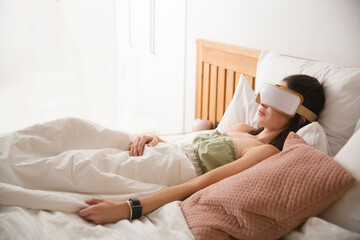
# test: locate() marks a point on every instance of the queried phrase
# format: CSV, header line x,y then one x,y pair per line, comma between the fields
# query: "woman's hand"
x,y
104,211
136,148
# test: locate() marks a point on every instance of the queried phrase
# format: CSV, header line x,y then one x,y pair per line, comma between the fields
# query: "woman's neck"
x,y
267,135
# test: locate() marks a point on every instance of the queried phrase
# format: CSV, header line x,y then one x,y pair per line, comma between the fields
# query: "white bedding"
x,y
48,170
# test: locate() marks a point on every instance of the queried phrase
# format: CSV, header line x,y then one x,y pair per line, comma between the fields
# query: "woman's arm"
x,y
182,191
105,211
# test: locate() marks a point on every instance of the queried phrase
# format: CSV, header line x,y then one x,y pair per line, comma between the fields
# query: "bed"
x,y
49,169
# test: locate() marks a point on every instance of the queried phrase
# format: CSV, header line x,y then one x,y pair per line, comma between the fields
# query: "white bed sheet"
x,y
48,170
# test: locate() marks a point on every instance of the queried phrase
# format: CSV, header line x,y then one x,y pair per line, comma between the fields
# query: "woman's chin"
x,y
259,120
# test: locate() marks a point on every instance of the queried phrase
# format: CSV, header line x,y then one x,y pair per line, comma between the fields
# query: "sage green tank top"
x,y
213,149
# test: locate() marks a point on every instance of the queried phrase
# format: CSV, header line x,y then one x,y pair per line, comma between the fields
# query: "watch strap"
x,y
136,208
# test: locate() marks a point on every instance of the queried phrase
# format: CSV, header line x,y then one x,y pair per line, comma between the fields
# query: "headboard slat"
x,y
206,92
213,92
229,87
220,101
199,83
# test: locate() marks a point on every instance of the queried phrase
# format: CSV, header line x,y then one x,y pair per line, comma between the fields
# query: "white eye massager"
x,y
284,100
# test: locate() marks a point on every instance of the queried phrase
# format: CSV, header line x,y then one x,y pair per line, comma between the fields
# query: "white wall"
x,y
324,30
151,81
57,59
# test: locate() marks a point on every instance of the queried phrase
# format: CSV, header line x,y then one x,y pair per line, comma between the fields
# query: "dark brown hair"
x,y
314,99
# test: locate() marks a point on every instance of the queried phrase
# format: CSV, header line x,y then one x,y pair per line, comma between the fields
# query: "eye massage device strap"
x,y
284,100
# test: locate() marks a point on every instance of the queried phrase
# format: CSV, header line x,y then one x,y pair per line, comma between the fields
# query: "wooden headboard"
x,y
218,69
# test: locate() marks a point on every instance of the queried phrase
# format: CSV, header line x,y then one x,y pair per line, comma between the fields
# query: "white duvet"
x,y
48,170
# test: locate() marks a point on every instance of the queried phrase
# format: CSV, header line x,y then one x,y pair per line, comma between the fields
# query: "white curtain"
x,y
57,59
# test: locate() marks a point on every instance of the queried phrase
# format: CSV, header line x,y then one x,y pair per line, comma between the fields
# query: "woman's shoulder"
x,y
240,127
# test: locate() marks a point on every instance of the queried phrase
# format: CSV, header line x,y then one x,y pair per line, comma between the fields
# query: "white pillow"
x,y
357,127
341,87
345,212
317,228
243,108
314,135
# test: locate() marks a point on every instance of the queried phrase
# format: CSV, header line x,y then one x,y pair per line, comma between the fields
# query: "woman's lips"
x,y
261,112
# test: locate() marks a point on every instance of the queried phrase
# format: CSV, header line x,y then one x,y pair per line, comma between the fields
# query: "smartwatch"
x,y
136,208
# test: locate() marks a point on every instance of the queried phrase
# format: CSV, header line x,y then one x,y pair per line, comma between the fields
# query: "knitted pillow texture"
x,y
269,199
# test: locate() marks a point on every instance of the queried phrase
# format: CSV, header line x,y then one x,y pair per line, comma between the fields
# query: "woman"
x,y
250,146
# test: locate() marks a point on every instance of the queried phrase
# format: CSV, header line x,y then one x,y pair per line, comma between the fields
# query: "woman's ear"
x,y
302,120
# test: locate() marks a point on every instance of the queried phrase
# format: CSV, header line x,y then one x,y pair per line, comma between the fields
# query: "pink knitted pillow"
x,y
270,199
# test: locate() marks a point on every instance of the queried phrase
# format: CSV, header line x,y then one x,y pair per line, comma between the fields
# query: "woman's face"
x,y
270,118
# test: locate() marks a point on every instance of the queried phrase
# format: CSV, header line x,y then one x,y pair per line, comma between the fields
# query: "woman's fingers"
x,y
105,211
141,145
154,142
136,148
129,146
85,213
93,201
133,151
